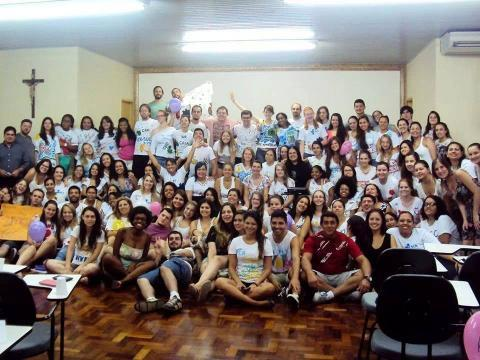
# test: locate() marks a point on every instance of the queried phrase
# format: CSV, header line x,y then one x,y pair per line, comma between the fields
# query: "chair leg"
x,y
51,350
369,344
362,339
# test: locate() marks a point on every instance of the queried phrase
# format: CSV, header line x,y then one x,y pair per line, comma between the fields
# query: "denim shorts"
x,y
180,269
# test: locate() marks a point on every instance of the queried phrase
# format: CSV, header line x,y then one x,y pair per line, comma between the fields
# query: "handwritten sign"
x,y
14,221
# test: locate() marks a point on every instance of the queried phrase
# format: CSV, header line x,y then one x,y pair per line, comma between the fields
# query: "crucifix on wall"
x,y
32,83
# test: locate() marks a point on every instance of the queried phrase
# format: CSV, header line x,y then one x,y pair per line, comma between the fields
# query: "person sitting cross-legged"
x,y
286,259
324,263
174,273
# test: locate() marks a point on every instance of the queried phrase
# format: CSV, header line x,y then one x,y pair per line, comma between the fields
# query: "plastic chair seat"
x,y
389,348
37,342
369,302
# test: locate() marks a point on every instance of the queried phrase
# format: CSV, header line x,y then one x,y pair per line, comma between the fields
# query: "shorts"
x,y
281,278
336,279
180,269
62,253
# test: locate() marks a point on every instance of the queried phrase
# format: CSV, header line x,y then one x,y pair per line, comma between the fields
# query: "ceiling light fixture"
x,y
15,10
367,2
248,46
249,34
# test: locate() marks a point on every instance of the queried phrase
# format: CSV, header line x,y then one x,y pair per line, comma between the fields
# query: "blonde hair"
x,y
314,120
74,221
155,196
83,158
232,145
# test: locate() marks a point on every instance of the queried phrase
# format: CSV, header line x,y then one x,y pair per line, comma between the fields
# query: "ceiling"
x,y
346,35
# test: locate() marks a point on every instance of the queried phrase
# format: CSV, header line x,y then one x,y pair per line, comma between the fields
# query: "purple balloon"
x,y
37,231
471,337
175,105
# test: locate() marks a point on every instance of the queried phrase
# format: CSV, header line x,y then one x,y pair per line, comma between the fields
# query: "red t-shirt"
x,y
330,255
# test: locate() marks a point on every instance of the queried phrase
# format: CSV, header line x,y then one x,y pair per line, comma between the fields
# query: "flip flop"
x,y
148,306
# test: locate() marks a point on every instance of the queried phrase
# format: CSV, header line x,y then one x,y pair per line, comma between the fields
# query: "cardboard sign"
x,y
14,221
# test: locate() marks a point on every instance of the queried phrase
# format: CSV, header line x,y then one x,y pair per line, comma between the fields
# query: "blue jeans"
x,y
180,269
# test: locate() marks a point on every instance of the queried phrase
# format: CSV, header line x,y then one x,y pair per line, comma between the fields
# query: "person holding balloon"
x,y
42,236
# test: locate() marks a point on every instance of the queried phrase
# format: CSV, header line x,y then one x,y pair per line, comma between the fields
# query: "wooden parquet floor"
x,y
102,324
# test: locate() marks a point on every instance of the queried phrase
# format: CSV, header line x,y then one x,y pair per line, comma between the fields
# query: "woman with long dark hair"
x,y
433,119
106,137
442,138
334,160
125,140
36,176
336,128
437,221
218,240
84,247
297,169
124,179
47,145
249,265
32,251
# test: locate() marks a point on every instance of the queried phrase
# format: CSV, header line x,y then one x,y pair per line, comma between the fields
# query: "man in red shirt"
x,y
325,259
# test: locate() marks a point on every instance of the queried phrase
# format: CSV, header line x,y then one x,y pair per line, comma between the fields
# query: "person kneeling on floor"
x,y
324,263
174,273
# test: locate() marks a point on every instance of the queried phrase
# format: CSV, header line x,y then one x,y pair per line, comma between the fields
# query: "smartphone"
x,y
67,278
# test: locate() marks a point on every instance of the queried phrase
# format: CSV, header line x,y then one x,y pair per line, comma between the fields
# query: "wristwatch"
x,y
368,277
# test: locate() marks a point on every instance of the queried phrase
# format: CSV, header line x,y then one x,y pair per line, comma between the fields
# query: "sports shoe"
x,y
282,295
173,305
12,255
293,301
39,269
321,297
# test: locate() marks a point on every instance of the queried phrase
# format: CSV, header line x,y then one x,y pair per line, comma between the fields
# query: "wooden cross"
x,y
32,83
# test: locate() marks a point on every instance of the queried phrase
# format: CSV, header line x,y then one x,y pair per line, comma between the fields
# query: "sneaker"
x,y
173,305
282,295
293,301
40,269
321,297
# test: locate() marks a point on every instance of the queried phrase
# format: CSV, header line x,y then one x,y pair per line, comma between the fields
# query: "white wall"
x,y
255,89
56,96
449,85
77,81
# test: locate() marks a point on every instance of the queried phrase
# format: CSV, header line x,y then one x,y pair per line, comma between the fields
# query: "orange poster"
x,y
14,221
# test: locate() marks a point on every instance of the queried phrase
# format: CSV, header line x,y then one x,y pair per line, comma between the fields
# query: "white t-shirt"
x,y
67,135
414,208
47,151
202,154
183,140
469,167
279,188
310,135
82,253
198,188
223,155
143,128
443,225
396,140
249,266
269,170
108,145
393,167
178,178
364,178
140,199
115,224
87,136
371,139
162,143
282,252
314,161
421,193
389,189
416,241
246,137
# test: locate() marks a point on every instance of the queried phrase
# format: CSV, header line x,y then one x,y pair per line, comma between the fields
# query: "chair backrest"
x,y
402,261
417,309
470,272
16,302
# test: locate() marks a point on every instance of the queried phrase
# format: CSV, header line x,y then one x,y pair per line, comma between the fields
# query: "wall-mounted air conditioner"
x,y
460,42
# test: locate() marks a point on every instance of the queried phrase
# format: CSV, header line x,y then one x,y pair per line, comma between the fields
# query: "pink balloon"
x,y
346,148
471,337
37,231
175,105
156,208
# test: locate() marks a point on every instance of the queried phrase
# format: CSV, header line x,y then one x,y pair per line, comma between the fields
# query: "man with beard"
x,y
159,103
24,139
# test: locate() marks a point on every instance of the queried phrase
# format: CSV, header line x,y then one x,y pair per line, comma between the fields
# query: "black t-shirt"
x,y
222,249
372,254
299,172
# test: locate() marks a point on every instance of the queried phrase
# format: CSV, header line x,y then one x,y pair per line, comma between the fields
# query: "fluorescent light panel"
x,y
368,2
248,46
39,10
249,34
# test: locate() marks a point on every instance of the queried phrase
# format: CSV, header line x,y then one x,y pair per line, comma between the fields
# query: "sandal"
x,y
148,306
172,305
116,284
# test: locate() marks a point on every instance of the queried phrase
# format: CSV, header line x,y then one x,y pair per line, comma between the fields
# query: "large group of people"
x,y
270,207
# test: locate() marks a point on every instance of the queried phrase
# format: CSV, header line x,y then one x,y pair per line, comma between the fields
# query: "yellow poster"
x,y
14,221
